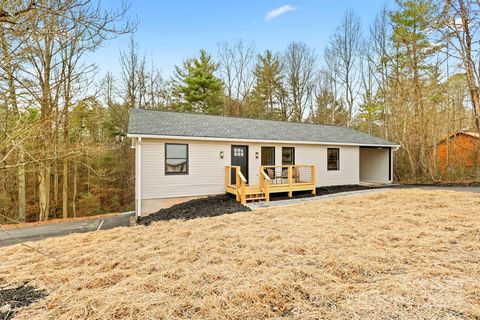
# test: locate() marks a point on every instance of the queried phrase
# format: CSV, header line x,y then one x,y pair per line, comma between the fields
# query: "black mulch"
x,y
205,207
13,298
226,204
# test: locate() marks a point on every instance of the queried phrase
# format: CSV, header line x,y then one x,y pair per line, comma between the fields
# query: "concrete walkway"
x,y
293,201
18,235
459,189
289,202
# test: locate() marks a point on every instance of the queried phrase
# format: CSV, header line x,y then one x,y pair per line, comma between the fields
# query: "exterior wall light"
x,y
221,154
256,155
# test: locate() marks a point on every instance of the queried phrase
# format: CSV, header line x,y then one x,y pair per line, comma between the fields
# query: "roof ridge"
x,y
243,118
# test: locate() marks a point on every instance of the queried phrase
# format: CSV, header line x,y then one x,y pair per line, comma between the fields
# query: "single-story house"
x,y
460,151
180,156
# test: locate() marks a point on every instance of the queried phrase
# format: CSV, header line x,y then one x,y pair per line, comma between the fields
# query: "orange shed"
x,y
459,151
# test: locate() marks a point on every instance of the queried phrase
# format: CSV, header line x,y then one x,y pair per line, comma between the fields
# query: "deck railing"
x,y
240,182
290,175
272,179
264,184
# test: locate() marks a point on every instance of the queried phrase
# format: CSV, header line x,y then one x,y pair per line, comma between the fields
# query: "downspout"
x,y
138,178
392,150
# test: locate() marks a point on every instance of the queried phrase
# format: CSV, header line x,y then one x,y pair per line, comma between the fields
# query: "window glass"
x,y
268,156
176,158
333,159
238,152
288,156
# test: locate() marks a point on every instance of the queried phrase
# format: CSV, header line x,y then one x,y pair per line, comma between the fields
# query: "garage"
x,y
376,164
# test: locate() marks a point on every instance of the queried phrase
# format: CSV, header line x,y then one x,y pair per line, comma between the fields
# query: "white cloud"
x,y
279,11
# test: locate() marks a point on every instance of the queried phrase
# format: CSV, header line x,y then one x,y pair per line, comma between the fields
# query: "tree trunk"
x,y
44,191
65,189
55,187
469,62
21,186
65,167
74,197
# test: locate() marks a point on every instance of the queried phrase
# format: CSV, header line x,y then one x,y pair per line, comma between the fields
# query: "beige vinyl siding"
x,y
374,165
253,163
349,166
207,171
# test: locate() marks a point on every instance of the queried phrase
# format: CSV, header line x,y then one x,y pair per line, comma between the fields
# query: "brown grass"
x,y
400,254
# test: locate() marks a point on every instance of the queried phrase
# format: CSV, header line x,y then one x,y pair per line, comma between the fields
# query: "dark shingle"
x,y
196,125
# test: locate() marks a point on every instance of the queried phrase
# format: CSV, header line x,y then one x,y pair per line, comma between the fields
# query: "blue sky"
x,y
171,31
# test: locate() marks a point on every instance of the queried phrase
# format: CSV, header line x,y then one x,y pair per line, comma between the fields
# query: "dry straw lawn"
x,y
401,254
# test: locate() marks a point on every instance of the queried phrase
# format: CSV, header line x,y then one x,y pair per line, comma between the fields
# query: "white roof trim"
x,y
154,136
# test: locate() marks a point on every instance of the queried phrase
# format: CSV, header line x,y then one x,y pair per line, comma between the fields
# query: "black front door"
x,y
239,158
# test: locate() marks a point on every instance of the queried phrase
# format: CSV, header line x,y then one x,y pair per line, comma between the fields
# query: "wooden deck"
x,y
297,178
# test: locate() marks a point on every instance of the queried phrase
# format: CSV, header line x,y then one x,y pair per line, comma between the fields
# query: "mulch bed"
x,y
226,204
13,298
198,208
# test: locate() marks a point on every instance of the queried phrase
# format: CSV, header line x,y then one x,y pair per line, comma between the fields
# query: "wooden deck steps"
x,y
254,193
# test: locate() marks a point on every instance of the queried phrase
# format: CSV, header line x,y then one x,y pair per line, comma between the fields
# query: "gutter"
x,y
138,177
153,136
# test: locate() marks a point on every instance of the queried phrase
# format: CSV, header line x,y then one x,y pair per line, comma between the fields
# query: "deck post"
x,y
290,181
314,180
227,176
237,183
244,194
267,193
260,178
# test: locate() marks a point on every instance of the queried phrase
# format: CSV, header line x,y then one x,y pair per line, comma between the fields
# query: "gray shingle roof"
x,y
148,122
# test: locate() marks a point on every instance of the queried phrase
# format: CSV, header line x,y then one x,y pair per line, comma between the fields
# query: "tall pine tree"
x,y
196,87
268,91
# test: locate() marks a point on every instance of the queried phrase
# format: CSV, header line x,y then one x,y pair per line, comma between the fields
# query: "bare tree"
x,y
345,45
329,82
461,26
11,103
132,76
300,68
236,69
328,107
156,89
59,35
12,11
378,59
